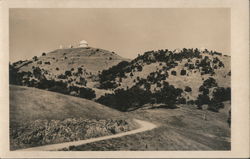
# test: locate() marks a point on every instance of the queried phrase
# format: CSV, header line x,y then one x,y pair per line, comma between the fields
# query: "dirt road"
x,y
144,126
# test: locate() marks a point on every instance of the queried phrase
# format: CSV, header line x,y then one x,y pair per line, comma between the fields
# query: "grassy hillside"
x,y
28,104
77,67
183,128
91,59
197,65
188,73
39,117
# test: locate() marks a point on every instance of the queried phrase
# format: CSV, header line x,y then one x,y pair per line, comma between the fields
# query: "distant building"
x,y
177,50
61,47
83,43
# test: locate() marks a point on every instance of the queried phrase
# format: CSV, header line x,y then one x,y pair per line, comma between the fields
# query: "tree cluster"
x,y
136,97
212,95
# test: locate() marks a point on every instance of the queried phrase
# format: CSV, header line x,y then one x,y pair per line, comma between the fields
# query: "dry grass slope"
x,y
28,104
179,129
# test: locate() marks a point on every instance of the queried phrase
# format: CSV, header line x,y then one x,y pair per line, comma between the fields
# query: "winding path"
x,y
144,126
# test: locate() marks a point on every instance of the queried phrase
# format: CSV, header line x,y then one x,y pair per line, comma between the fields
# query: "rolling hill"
x,y
90,59
75,66
27,104
189,74
39,117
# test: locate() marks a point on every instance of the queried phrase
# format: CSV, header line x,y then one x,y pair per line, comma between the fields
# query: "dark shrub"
x,y
181,101
35,58
131,74
191,102
82,81
173,73
188,89
115,71
58,86
221,94
61,76
43,54
39,62
108,85
124,100
87,93
158,84
139,68
183,72
80,70
37,72
215,107
14,76
205,91
201,100
210,82
68,73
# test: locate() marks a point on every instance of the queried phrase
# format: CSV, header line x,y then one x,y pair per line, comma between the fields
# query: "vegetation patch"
x,y
43,132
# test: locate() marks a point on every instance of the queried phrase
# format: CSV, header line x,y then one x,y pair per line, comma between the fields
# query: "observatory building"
x,y
83,43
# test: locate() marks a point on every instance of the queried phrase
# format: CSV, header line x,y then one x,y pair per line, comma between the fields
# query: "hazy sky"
x,y
125,31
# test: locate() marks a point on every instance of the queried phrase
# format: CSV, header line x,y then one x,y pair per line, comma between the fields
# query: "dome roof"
x,y
83,42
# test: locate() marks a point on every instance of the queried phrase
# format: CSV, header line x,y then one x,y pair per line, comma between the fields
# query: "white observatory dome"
x,y
83,43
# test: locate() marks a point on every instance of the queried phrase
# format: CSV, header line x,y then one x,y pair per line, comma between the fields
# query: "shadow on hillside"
x,y
165,107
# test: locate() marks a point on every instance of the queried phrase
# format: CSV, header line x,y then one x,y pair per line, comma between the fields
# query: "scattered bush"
x,y
61,76
68,73
173,73
35,58
188,89
39,62
183,72
108,85
201,100
209,83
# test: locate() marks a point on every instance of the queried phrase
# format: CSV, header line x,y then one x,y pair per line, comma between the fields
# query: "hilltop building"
x,y
83,43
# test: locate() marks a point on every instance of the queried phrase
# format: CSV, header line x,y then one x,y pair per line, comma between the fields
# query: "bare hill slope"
x,y
27,104
39,117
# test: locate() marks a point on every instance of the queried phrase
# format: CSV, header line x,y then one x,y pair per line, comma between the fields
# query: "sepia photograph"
x,y
121,79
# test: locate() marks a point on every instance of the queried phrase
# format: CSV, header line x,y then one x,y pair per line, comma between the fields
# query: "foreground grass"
x,y
179,129
39,117
27,104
